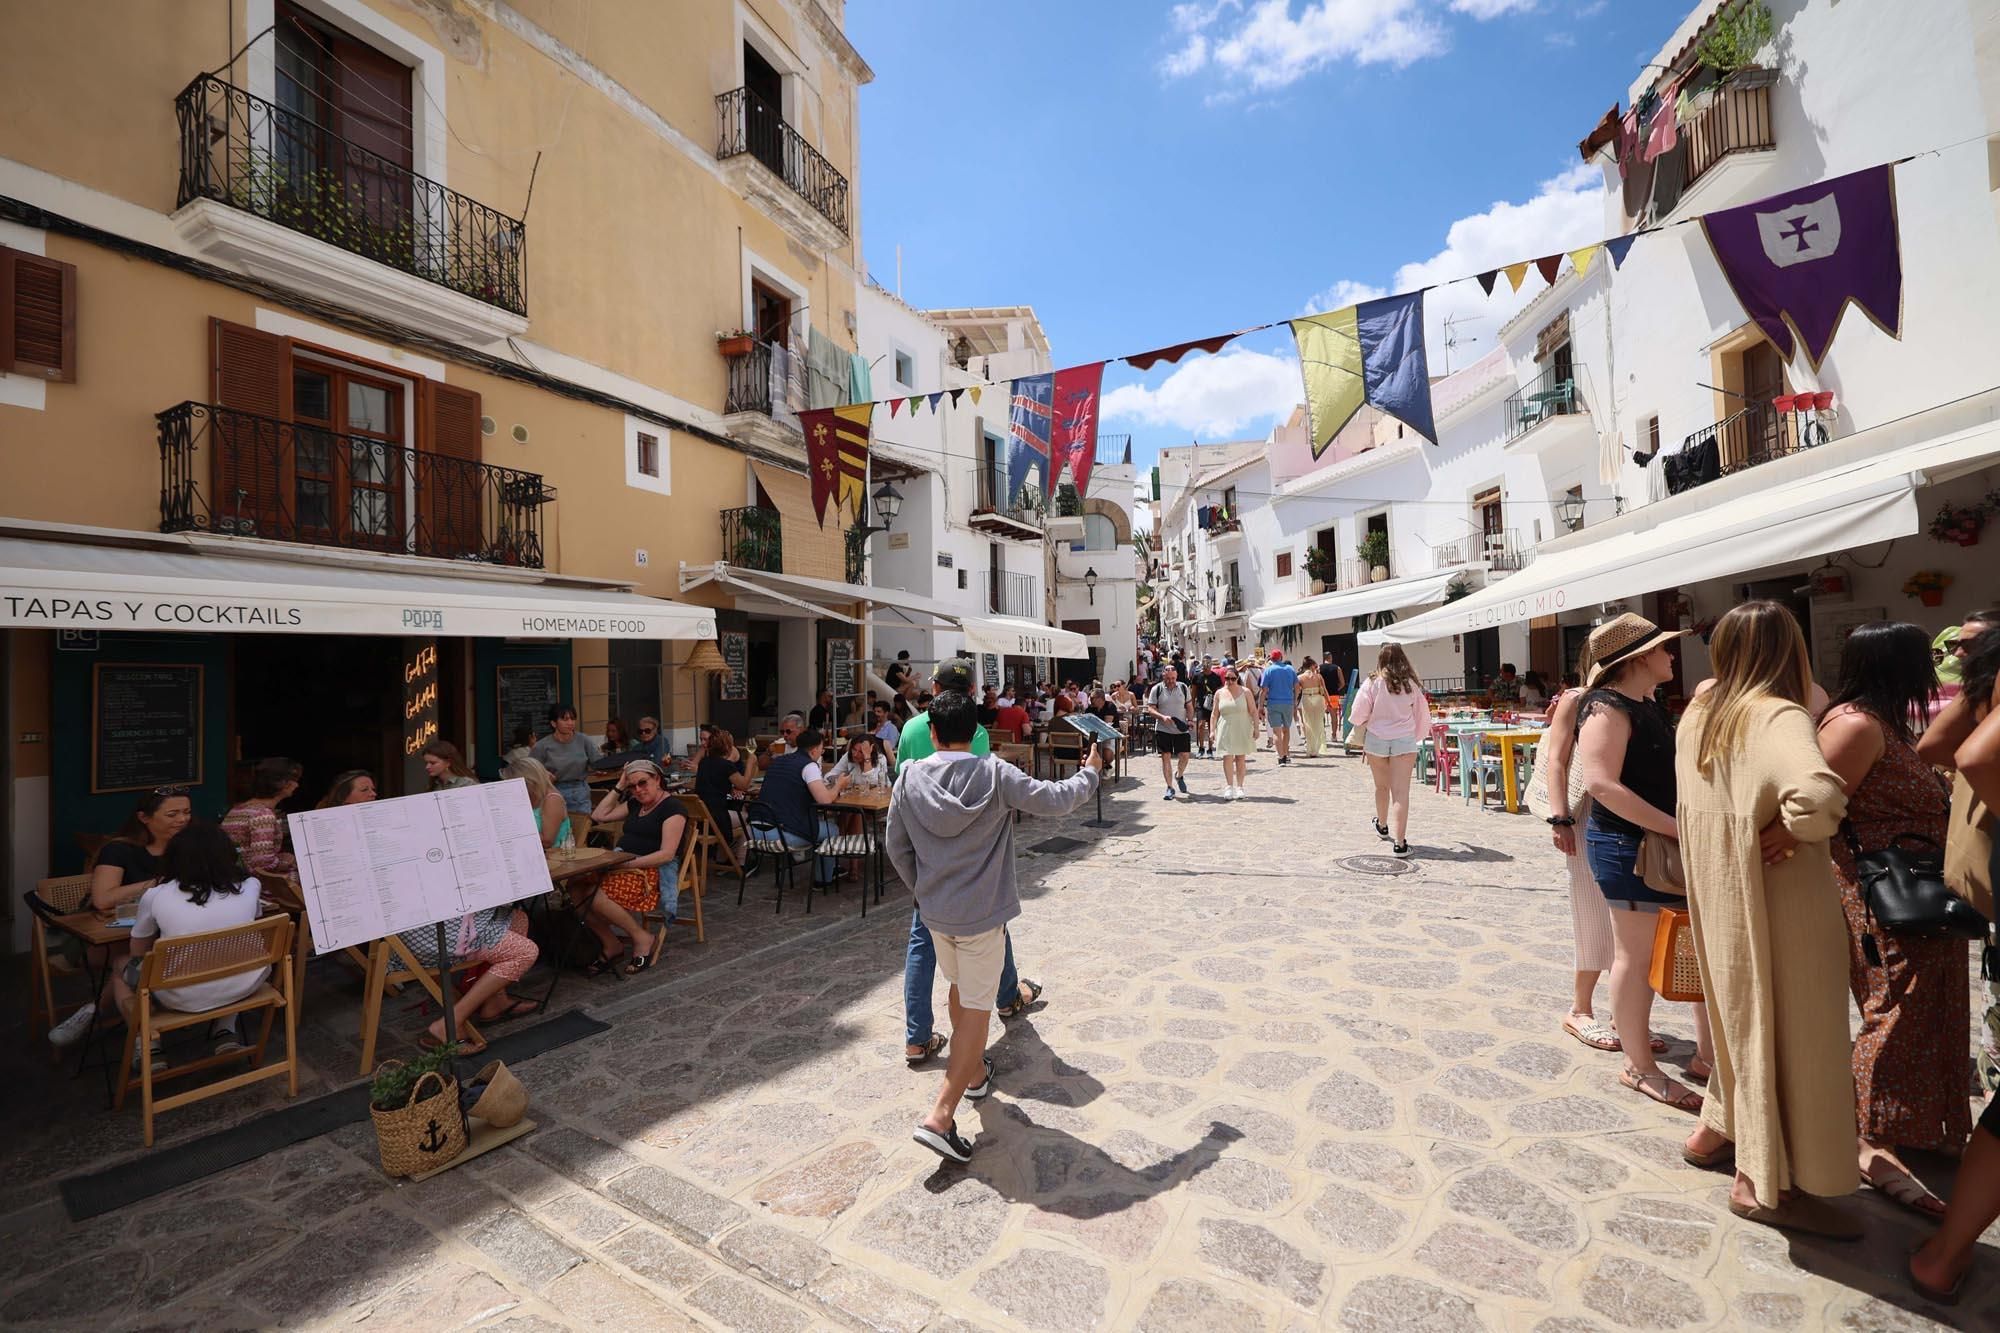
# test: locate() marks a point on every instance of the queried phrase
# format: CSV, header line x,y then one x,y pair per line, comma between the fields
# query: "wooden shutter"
x,y
1553,335
37,316
252,459
450,483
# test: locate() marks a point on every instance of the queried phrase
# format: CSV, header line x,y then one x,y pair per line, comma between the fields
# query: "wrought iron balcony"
x,y
1757,433
286,168
750,380
1504,551
245,475
754,538
1113,450
1229,599
1012,595
1224,525
994,510
746,123
1737,119
1542,399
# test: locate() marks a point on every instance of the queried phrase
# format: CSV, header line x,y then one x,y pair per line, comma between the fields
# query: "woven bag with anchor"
x,y
424,1133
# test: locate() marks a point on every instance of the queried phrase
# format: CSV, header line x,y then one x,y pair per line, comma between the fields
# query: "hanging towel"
x,y
1610,457
827,372
1664,131
860,383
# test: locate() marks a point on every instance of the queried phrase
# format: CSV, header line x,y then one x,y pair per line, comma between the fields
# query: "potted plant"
x,y
1927,586
1374,553
1320,568
1959,523
1735,36
414,1104
735,342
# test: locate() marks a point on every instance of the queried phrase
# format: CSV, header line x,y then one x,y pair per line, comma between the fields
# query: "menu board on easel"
x,y
525,694
840,668
735,682
145,726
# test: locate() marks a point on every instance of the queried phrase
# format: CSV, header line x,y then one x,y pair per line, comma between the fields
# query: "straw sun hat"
x,y
1620,640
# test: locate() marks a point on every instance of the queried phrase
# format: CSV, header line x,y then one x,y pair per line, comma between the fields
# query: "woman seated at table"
x,y
1534,694
350,788
129,864
864,765
445,767
254,825
496,939
202,888
654,825
725,770
551,814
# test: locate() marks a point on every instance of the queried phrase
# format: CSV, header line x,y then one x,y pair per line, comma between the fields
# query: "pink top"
x,y
1391,716
255,831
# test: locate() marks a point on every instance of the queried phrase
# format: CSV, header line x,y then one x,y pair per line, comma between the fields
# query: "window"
x,y
339,95
1099,533
649,464
1235,579
649,454
1229,500
37,316
347,456
1284,564
1653,434
906,370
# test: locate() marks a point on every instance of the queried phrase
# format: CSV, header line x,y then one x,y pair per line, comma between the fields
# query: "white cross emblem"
x,y
1800,233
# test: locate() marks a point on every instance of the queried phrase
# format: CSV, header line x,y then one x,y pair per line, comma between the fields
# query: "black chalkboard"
x,y
736,655
525,694
145,726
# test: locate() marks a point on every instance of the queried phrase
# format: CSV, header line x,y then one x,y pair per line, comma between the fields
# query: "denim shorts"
x,y
1279,716
1382,747
1613,858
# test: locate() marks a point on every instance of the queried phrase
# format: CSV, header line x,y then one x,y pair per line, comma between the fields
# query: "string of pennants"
x,y
1794,260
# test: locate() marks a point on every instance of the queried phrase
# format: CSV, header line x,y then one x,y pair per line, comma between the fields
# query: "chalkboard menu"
x,y
989,670
840,668
736,655
145,726
525,694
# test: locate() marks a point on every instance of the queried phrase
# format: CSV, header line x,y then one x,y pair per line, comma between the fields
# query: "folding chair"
x,y
693,875
49,898
390,963
715,843
263,947
761,824
859,846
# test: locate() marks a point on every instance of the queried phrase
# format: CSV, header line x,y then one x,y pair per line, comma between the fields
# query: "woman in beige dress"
x,y
1312,708
1756,806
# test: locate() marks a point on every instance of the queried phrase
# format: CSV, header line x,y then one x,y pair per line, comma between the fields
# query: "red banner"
x,y
837,455
1075,433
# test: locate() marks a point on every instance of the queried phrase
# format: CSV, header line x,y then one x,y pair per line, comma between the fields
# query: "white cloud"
x,y
1491,9
1265,45
1567,212
1346,292
1212,395
1188,59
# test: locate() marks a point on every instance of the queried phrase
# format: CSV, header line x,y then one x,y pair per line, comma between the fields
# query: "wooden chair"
x,y
49,897
390,964
1065,747
187,960
715,844
761,825
693,879
579,829
1002,736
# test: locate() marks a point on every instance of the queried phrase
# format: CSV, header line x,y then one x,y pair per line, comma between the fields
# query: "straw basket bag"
x,y
1675,974
426,1132
505,1101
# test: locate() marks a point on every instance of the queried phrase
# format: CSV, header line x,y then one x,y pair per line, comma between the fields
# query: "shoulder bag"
x,y
1968,848
1903,892
1659,864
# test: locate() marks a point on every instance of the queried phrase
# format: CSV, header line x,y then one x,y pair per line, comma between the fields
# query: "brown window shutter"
x,y
253,464
37,316
451,486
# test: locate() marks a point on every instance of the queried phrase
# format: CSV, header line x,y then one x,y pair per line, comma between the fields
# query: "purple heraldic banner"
x,y
1796,259
1029,422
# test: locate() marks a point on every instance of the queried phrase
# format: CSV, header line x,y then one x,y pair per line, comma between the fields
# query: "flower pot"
x,y
1967,538
1931,596
1317,586
737,346
1378,574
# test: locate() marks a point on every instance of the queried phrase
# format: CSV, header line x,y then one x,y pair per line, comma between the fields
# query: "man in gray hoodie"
x,y
951,839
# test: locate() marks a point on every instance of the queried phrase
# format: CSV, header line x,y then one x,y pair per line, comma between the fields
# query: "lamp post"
x,y
1090,584
1569,512
888,502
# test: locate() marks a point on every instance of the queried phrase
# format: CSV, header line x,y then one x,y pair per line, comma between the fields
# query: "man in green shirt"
x,y
916,740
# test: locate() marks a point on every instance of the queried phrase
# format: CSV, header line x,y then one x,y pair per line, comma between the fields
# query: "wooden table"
x,y
1510,785
566,866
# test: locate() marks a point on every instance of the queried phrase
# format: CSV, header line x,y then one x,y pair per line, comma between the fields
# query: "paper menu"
x,y
381,867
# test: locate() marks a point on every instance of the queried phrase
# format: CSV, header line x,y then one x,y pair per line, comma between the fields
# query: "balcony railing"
x,y
1113,450
1545,397
1356,572
237,473
1012,595
286,168
1757,433
754,538
750,380
1221,526
1229,600
988,488
1736,120
746,123
1505,551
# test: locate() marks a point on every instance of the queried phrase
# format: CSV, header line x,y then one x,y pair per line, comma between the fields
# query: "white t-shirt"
x,y
164,910
811,773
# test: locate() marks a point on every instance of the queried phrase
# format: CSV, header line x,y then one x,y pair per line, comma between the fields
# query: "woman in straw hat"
x,y
1625,742
1769,933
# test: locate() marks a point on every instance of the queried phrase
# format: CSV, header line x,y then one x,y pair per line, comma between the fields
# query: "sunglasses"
x,y
170,791
646,731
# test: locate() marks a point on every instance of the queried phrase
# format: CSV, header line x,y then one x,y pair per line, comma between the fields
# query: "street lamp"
x,y
1569,511
888,503
1090,583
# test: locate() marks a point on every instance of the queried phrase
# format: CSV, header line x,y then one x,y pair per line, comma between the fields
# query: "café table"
x,y
872,804
581,866
1507,740
100,933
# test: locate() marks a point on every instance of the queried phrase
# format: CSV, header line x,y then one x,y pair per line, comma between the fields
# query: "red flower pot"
x,y
1931,596
739,346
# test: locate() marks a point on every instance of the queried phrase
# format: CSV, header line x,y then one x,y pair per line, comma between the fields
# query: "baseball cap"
x,y
1277,656
955,674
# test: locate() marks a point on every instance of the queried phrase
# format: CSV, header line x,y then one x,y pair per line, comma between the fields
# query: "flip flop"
x,y
1592,1032
1935,1295
1687,1072
1689,1100
931,1048
1815,1217
1721,1158
1908,1191
430,1043
518,1009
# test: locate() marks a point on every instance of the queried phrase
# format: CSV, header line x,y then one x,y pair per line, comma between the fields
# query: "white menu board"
x,y
380,867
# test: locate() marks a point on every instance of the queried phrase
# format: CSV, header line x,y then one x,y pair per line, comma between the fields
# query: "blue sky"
x,y
1143,174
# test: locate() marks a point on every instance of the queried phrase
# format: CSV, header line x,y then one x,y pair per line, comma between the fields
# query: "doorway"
x,y
355,715
770,314
1482,657
764,109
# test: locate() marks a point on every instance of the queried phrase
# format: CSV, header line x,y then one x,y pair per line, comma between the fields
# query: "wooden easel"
x,y
390,963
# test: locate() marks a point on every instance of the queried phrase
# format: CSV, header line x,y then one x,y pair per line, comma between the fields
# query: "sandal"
x,y
1908,1191
1689,1100
518,1009
1591,1031
1689,1071
1935,1295
1021,1006
932,1046
601,964
465,1048
637,963
1721,1158
1813,1216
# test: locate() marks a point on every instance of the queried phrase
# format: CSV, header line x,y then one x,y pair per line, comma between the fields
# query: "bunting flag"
x,y
1029,420
1486,280
934,399
1147,360
895,406
1516,273
1617,247
837,455
1796,259
1548,265
955,394
914,400
1371,353
1074,439
975,395
1581,258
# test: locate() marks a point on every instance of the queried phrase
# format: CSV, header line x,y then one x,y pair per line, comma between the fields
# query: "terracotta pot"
x,y
1931,597
738,346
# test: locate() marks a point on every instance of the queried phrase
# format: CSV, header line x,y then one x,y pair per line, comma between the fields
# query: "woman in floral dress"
x,y
1909,1055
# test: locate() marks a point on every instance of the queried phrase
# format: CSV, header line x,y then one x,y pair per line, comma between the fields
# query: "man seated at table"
x,y
1506,688
789,729
989,708
652,740
884,729
1103,707
821,719
795,789
1010,716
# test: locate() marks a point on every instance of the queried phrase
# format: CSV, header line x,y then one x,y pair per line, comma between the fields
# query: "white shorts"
x,y
973,964
1381,747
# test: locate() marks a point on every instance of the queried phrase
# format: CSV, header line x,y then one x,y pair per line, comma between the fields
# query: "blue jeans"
x,y
920,976
576,795
827,828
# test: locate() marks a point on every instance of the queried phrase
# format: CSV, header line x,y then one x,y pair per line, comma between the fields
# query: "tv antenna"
x,y
1452,337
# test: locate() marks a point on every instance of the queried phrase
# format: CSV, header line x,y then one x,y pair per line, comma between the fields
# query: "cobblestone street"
x,y
1274,1085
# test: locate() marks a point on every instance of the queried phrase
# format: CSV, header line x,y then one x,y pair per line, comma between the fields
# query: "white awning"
x,y
1388,595
1857,502
1005,635
83,586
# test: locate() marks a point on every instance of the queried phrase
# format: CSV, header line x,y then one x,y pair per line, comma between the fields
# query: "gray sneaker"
x,y
70,1031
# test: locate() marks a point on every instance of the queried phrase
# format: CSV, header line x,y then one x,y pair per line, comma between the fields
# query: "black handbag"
x,y
1903,892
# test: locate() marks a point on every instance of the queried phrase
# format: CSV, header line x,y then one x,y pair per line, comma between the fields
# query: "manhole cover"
x,y
1376,865
1062,844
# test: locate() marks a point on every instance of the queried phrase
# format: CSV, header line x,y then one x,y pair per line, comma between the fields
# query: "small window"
x,y
649,459
1653,434
649,455
906,370
1285,565
37,316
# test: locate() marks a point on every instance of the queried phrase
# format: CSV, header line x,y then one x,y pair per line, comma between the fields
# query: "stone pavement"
x,y
1271,1088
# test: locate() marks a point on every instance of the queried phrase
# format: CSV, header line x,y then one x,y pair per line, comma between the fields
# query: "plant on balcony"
x,y
1068,504
1456,589
1321,568
1735,37
1374,553
734,342
1960,523
857,553
1927,586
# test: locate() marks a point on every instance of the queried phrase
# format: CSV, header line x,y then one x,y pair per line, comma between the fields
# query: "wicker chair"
x,y
263,947
49,898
